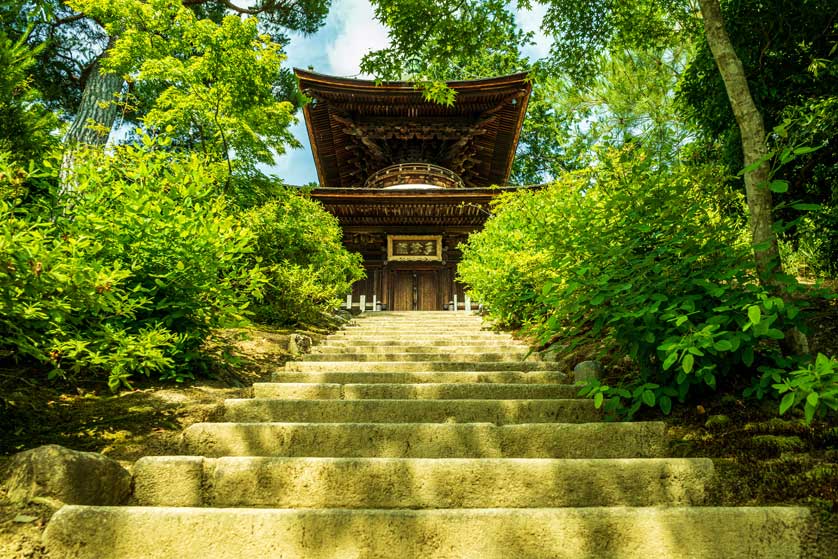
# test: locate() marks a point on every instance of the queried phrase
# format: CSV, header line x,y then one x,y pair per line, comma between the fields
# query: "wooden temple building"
x,y
409,179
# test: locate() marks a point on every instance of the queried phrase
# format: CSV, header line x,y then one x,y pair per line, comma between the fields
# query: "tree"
x,y
80,35
788,48
26,126
212,83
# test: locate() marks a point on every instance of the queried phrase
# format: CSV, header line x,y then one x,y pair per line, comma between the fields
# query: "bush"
x,y
815,386
144,262
638,256
308,269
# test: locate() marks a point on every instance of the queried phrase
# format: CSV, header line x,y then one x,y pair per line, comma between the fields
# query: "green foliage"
x,y
299,245
71,41
815,386
638,255
212,82
25,124
583,31
431,42
150,261
788,49
65,304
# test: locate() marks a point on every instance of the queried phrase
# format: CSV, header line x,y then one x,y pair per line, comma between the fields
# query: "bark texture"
x,y
94,119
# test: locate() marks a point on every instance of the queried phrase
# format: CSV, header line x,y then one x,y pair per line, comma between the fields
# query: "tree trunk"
x,y
94,119
752,131
754,148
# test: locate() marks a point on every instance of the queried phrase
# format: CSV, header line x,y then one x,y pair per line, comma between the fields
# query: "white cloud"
x,y
530,20
357,34
348,34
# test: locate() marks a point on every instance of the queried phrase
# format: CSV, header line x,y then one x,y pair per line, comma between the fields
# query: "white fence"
x,y
362,305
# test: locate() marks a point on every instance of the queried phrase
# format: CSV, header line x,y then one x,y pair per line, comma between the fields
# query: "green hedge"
x,y
642,258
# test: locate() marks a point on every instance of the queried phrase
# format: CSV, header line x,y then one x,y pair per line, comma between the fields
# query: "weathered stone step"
x,y
499,412
427,440
409,346
442,391
411,483
422,338
358,355
411,377
81,532
423,341
447,319
434,329
414,366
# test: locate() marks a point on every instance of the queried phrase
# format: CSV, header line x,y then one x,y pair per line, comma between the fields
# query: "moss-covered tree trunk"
x,y
754,149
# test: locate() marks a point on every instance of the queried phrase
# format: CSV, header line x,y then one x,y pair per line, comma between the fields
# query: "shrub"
x,y
64,303
308,269
815,386
638,256
145,260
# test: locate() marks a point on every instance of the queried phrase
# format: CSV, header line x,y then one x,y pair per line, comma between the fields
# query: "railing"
x,y
414,173
362,305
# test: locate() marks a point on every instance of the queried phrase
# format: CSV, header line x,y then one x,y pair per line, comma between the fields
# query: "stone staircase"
x,y
421,435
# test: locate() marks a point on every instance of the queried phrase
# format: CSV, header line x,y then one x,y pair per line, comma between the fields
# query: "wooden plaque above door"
x,y
421,248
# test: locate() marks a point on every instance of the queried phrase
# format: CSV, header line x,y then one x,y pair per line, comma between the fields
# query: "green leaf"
x,y
748,356
812,399
806,207
598,400
775,334
665,403
687,363
670,360
779,186
786,402
648,398
723,345
754,314
809,413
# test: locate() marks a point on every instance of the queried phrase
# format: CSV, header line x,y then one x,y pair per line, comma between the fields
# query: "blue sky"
x,y
337,48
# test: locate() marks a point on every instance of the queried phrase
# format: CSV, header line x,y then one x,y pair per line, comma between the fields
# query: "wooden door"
x,y
427,290
403,290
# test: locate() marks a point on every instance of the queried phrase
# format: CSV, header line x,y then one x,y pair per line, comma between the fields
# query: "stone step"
x,y
416,341
84,532
447,319
359,355
412,347
432,329
422,338
415,315
412,377
442,391
416,366
499,412
427,440
411,483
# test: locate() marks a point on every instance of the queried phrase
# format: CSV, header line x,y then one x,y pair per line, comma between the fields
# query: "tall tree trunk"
x,y
94,119
754,148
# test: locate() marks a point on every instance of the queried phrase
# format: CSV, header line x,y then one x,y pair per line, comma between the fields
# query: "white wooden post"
x,y
468,303
363,303
455,303
375,302
349,302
